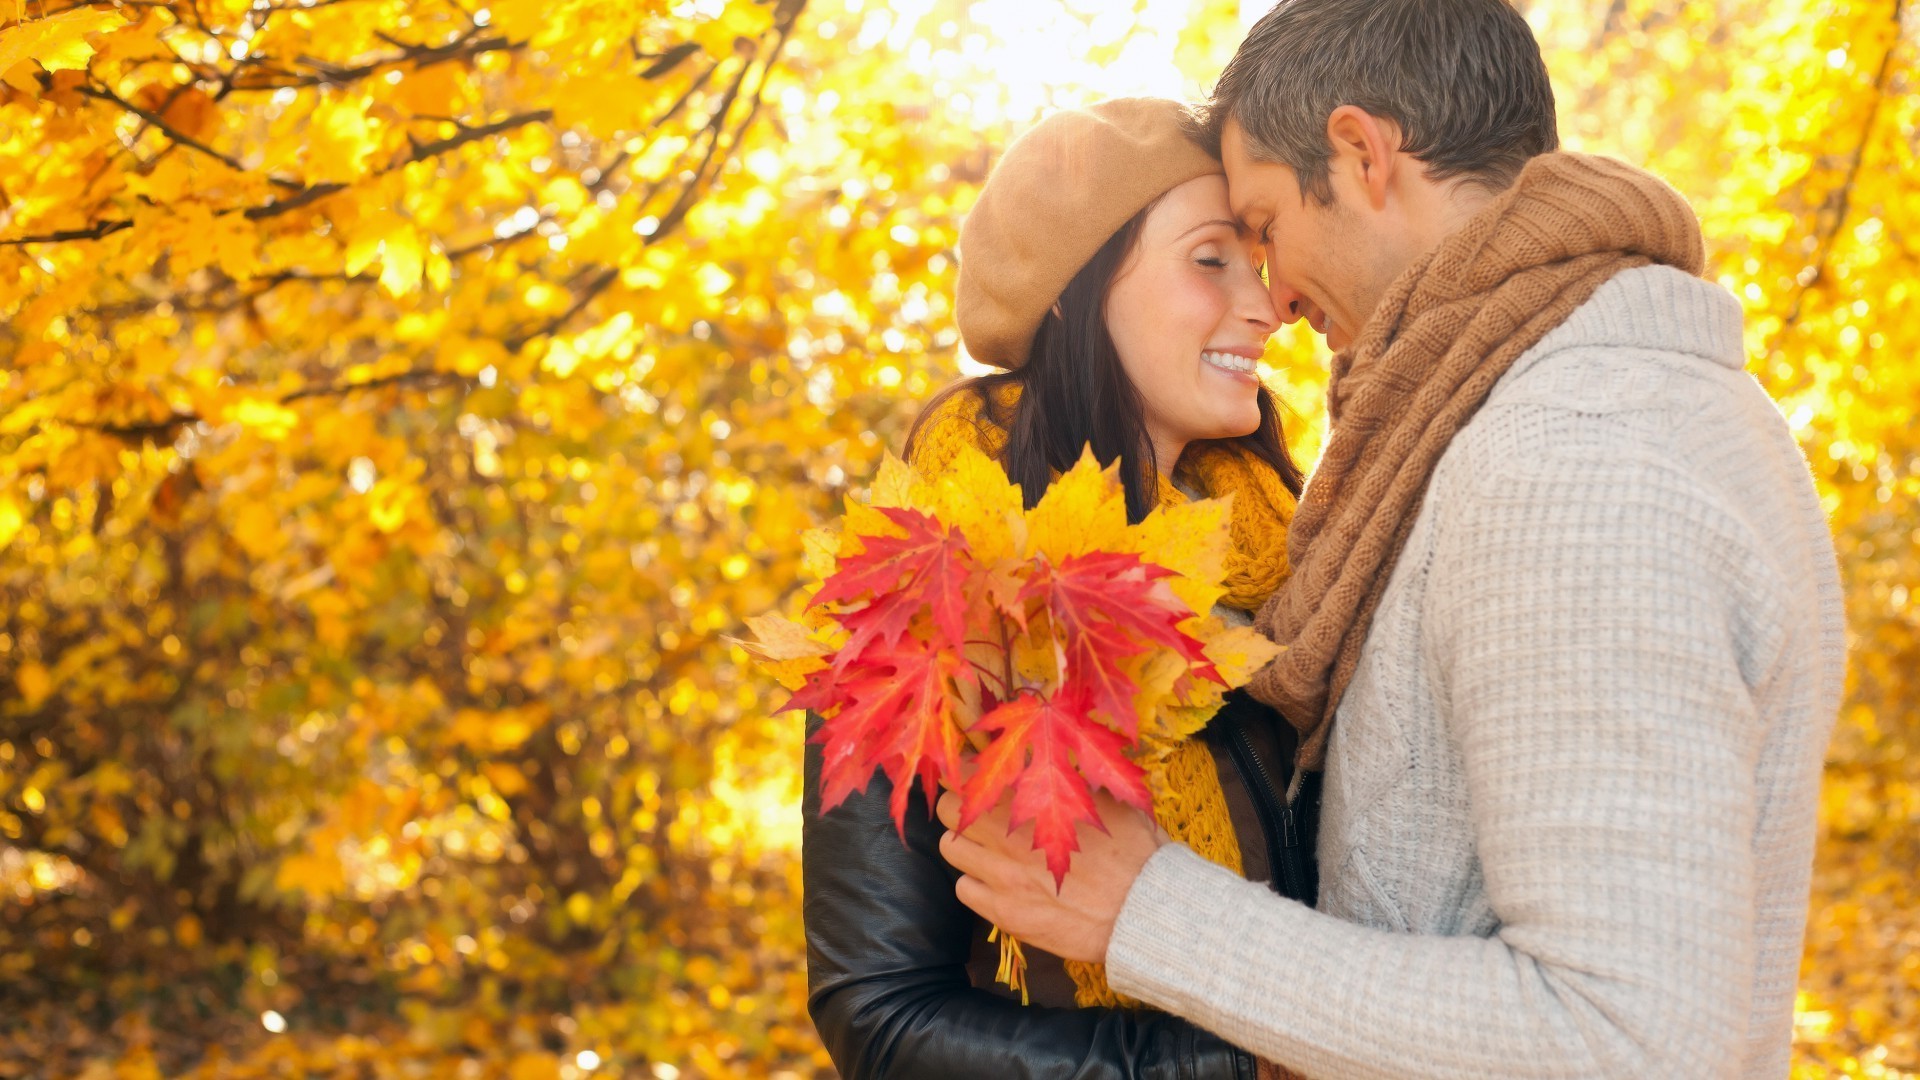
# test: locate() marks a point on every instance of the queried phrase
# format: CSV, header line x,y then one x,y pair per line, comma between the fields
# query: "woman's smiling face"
x,y
1189,316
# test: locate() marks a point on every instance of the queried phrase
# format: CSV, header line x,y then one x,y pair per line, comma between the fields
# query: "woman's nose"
x,y
1255,305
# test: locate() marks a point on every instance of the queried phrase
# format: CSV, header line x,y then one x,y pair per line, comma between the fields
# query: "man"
x,y
1565,626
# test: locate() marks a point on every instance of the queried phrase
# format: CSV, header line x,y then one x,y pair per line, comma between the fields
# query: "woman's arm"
x,y
887,947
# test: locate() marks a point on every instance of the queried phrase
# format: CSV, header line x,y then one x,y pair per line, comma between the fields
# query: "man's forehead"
x,y
1250,183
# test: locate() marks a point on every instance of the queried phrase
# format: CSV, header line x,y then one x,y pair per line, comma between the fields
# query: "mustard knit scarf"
x,y
1194,812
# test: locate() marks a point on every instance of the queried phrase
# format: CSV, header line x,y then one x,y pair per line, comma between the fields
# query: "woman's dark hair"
x,y
1073,392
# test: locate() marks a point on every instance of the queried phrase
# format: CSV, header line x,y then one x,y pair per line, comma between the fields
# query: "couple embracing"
x,y
1531,789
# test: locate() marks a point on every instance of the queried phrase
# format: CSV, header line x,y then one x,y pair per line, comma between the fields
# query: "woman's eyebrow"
x,y
1235,227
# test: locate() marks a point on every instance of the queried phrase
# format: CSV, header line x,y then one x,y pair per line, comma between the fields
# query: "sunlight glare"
x,y
1013,60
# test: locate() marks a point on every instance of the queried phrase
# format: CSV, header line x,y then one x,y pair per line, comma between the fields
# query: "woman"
x,y
1102,268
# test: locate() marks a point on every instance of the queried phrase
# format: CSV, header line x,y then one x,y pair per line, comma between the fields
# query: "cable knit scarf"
x,y
1443,335
1262,505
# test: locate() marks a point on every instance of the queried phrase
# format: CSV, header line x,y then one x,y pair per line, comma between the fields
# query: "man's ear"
x,y
1366,151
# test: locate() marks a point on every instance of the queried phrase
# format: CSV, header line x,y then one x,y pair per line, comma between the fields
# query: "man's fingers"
x,y
965,855
977,896
948,808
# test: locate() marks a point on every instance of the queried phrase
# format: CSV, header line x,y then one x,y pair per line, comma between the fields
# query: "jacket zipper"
x,y
1276,815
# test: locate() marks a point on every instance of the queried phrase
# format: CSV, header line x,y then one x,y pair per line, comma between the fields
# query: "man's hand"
x,y
1008,884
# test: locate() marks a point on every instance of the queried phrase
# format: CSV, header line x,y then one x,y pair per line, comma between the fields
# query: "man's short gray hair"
x,y
1463,79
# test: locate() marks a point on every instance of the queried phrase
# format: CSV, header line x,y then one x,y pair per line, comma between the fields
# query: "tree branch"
x,y
465,47
170,426
92,232
312,193
1829,236
467,135
157,122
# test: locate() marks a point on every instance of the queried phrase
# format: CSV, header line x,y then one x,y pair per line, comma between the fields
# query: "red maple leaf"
x,y
931,566
1052,754
895,715
1108,608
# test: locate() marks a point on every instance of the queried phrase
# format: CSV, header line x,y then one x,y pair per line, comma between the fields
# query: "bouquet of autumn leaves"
x,y
1061,649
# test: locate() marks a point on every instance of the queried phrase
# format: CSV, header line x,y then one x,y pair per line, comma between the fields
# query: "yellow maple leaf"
x,y
894,484
821,549
1156,674
1239,652
974,496
786,649
1085,510
1190,539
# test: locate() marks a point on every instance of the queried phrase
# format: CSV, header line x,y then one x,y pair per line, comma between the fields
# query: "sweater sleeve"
x,y
1586,629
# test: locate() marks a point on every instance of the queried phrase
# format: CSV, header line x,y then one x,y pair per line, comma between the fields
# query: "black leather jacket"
x,y
900,978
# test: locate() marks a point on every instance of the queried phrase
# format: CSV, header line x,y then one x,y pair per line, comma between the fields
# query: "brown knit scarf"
x,y
1445,332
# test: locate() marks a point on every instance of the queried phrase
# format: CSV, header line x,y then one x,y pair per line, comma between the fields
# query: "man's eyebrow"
x,y
1237,228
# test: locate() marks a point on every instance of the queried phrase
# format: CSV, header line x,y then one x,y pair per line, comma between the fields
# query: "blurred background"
x,y
402,400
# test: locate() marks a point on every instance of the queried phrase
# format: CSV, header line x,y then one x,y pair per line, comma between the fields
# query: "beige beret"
x,y
1058,194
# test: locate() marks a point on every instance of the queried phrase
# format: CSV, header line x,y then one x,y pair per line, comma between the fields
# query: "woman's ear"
x,y
1055,310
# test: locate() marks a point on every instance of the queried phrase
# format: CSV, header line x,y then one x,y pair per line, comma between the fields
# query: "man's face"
x,y
1317,256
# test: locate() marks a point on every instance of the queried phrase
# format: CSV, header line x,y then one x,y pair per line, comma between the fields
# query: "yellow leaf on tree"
x,y
310,873
35,683
257,528
506,779
57,42
494,730
268,419
433,90
396,244
532,1065
11,520
338,139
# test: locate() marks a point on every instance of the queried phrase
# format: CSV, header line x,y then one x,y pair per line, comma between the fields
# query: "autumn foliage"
x,y
403,401
1059,650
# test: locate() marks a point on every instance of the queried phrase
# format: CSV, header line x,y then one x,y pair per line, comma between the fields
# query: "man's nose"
x,y
1288,302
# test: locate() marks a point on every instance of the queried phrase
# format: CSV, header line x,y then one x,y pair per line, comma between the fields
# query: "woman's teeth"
x,y
1229,362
